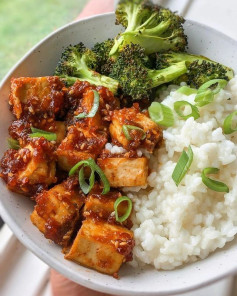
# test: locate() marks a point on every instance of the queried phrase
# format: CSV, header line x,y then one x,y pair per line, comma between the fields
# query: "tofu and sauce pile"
x,y
58,158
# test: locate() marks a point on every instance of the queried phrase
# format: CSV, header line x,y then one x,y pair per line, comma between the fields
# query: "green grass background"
x,y
25,22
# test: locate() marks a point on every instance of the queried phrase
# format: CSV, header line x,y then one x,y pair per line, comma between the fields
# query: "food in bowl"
x,y
109,137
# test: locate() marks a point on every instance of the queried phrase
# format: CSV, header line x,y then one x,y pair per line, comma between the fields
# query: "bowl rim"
x,y
43,255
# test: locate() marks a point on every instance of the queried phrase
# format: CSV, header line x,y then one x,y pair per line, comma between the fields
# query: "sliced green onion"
x,y
127,128
81,115
104,180
186,90
214,85
179,106
128,211
213,184
182,166
228,127
36,130
94,168
86,188
74,169
204,98
13,144
37,133
94,108
161,114
206,92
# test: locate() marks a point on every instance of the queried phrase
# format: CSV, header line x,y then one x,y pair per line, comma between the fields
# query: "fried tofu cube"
x,y
21,129
80,143
125,172
101,206
30,168
68,158
86,104
35,95
81,99
60,130
37,170
56,213
38,221
132,116
101,246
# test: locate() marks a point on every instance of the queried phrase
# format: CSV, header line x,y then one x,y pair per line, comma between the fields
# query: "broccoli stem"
x,y
156,44
164,43
166,75
83,73
171,58
115,49
95,79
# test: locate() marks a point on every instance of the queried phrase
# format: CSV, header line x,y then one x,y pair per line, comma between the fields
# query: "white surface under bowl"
x,y
16,209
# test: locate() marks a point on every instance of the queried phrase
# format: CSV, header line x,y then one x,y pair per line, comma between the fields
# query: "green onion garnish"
x,y
213,184
206,92
161,114
128,211
94,108
13,144
186,90
179,108
215,85
81,115
127,128
37,133
86,188
204,98
228,127
182,166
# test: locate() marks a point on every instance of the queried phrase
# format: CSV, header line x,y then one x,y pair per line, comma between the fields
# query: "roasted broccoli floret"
x,y
200,69
104,61
154,28
135,78
78,62
199,73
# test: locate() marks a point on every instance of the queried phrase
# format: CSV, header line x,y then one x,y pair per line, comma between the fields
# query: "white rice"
x,y
114,149
176,225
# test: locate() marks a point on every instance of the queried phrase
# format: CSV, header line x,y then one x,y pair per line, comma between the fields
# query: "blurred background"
x,y
23,23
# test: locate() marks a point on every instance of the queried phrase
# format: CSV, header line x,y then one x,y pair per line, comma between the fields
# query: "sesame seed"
x,y
31,110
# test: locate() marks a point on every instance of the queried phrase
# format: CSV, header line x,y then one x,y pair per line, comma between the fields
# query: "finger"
x,y
96,7
62,286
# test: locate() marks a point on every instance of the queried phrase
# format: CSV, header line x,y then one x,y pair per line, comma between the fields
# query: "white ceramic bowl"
x,y
16,209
